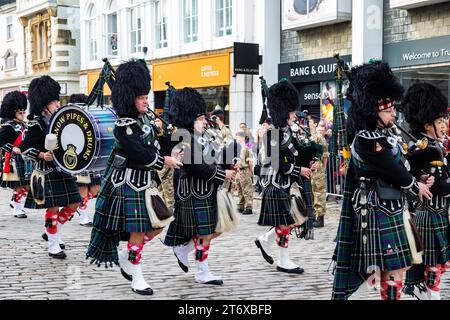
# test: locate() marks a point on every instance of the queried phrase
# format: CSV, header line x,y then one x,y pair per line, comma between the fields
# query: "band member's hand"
x,y
424,191
48,156
172,163
428,180
230,174
314,166
306,173
17,150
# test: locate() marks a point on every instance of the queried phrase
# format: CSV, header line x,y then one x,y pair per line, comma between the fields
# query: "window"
x,y
40,41
190,17
10,60
91,32
9,28
136,29
111,21
161,24
224,18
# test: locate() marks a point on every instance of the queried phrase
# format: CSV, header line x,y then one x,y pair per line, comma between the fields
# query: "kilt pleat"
x,y
119,211
433,228
275,208
20,165
193,217
387,247
60,190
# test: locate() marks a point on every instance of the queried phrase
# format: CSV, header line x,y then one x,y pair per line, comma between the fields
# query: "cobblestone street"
x,y
26,271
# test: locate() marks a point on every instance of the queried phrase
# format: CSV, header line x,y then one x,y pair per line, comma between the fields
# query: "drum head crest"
x,y
77,143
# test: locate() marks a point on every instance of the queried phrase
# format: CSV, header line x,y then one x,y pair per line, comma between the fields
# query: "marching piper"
x,y
374,237
50,188
279,172
12,133
128,205
196,210
425,109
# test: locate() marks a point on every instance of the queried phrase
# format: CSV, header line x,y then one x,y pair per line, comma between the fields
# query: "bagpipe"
x,y
339,145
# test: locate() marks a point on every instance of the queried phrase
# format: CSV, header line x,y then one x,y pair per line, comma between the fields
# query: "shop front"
x,y
426,60
316,84
209,74
92,78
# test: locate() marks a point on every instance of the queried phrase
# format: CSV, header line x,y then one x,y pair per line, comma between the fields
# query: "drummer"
x,y
88,182
50,188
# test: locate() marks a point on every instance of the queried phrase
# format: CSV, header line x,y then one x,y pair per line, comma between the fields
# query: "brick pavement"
x,y
26,271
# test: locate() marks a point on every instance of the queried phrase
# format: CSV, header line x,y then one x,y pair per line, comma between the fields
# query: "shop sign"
x,y
246,58
303,14
201,72
311,70
309,94
418,52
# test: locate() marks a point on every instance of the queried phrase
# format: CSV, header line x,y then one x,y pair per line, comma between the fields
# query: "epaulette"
x,y
9,123
34,123
125,122
371,135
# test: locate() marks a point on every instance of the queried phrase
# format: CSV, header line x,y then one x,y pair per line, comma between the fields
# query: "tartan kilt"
x,y
387,246
275,208
20,165
414,276
60,190
434,231
192,217
118,212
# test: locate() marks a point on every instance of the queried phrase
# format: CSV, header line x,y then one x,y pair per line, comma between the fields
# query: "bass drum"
x,y
85,138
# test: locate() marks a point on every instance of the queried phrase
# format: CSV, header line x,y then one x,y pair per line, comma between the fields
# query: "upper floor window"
x,y
135,28
161,24
224,18
190,20
9,28
39,34
10,60
92,33
111,27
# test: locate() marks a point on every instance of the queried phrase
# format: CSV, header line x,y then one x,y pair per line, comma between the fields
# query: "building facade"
x,y
413,36
186,42
44,38
12,53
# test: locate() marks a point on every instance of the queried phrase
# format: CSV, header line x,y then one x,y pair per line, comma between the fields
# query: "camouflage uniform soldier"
x,y
319,179
218,117
245,180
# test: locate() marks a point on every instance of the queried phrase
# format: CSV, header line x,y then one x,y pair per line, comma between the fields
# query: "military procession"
x,y
179,171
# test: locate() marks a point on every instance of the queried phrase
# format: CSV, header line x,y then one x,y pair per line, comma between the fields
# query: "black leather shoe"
x,y
215,282
60,256
291,271
247,212
268,258
126,275
182,266
320,222
87,225
146,292
45,238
